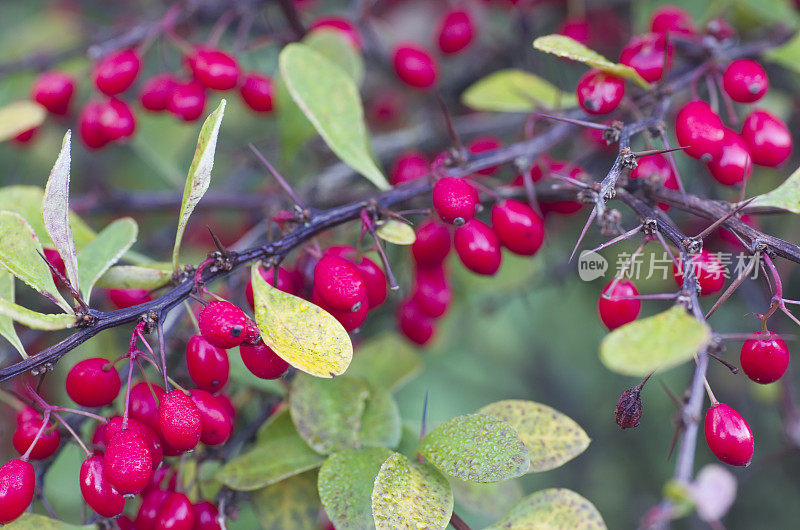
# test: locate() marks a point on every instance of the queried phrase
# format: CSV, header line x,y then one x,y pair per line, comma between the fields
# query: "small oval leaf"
x,y
476,448
658,342
304,335
292,503
514,90
7,330
552,509
105,250
20,116
396,232
410,495
550,437
134,277
786,196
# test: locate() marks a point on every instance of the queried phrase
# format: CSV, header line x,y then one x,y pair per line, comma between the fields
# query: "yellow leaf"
x,y
18,117
396,232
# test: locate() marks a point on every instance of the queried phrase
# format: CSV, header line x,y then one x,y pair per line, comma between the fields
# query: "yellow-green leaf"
x,y
410,495
33,319
477,448
106,249
7,323
564,46
658,342
19,253
304,335
386,361
396,232
291,503
787,55
552,509
34,521
550,437
20,116
330,99
134,277
515,90
786,196
199,174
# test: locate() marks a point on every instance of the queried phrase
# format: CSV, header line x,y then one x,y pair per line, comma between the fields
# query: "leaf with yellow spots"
x,y
552,509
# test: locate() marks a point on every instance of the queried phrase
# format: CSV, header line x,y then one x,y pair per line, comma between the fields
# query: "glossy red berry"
x,y
97,491
485,144
432,244
144,401
179,420
518,226
89,127
456,31
285,282
410,165
124,298
764,358
338,283
25,136
17,485
614,309
175,514
745,81
560,167
258,92
215,423
117,120
432,292
415,66
262,361
733,163
767,137
656,168
208,365
728,435
115,72
150,438
46,445
127,463
454,200
187,101
93,383
373,276
28,414
340,24
578,29
672,19
222,324
205,516
645,54
53,90
415,325
350,320
152,502
478,247
599,92
156,92
699,130
710,273
214,68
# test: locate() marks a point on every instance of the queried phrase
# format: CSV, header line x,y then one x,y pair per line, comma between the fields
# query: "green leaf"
x,y
304,335
106,249
36,320
552,509
134,277
386,361
490,499
55,211
295,129
786,55
199,174
381,424
658,342
34,521
7,323
327,413
396,232
330,100
786,196
550,437
514,90
410,495
19,253
345,486
477,448
292,503
278,425
338,49
564,46
20,116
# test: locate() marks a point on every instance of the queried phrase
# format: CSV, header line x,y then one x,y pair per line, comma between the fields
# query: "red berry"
x,y
699,130
417,326
563,207
454,200
764,358
341,24
227,404
745,81
205,516
93,383
767,137
124,298
478,247
89,125
374,279
151,439
285,282
258,92
387,107
214,68
456,31
144,405
152,502
432,244
116,120
208,365
432,293
339,284
728,435
179,420
17,485
672,19
658,168
599,92
25,136
53,90
46,445
97,491
518,226
733,163
262,361
709,272
157,91
223,324
615,311
215,422
127,463
485,144
645,54
28,414
350,320
187,100
175,514
114,73
414,66
577,29
409,165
